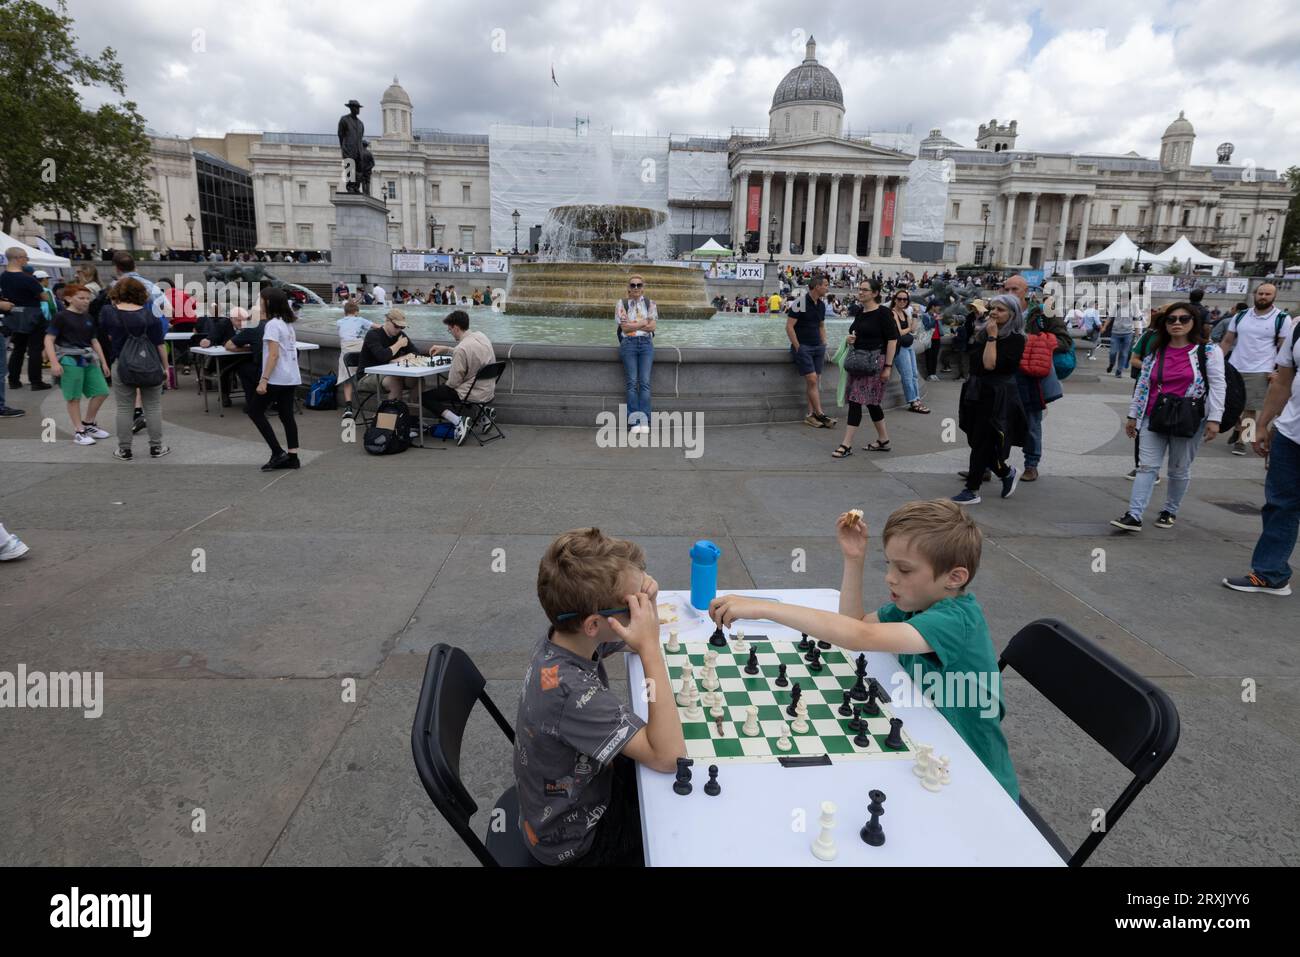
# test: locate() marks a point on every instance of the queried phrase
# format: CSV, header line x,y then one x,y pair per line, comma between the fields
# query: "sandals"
x,y
842,452
918,408
877,446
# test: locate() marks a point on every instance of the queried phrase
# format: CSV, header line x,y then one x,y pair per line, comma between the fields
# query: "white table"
x,y
418,373
221,352
970,822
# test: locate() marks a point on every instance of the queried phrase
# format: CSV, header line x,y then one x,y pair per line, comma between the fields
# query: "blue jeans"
x,y
1152,449
905,363
1121,346
4,365
1033,437
1281,514
638,355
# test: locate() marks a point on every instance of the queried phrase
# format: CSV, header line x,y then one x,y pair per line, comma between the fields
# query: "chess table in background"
x,y
767,813
828,732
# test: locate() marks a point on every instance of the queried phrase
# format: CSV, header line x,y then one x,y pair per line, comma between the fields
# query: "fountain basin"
x,y
590,290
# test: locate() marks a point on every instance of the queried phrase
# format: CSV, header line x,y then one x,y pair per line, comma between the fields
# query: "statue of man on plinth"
x,y
352,132
367,167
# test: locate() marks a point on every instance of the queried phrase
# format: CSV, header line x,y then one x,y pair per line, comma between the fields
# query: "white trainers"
x,y
463,428
14,548
94,431
82,438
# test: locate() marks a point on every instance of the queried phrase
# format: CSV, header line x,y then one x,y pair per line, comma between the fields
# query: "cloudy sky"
x,y
1102,75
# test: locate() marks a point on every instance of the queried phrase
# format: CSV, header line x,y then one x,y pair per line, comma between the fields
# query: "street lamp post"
x,y
1268,237
433,230
189,221
771,239
984,241
515,217
692,249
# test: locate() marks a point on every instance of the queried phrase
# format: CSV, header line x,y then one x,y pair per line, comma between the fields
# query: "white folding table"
x,y
418,373
767,815
221,352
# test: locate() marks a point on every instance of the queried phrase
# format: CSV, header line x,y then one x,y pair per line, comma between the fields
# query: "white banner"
x,y
750,271
1237,287
493,263
408,262
1160,283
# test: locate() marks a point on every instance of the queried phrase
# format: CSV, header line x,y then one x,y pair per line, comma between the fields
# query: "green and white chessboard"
x,y
828,732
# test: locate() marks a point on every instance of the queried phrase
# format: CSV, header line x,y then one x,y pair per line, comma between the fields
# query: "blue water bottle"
x,y
704,573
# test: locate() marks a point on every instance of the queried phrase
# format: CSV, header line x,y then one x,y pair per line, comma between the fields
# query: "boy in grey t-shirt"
x,y
576,741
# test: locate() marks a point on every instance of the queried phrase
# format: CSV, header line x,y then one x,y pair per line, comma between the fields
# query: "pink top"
x,y
1177,376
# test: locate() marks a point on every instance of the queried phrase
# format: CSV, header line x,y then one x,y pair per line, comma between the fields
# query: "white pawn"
x,y
824,848
751,727
783,742
688,681
741,647
716,711
674,645
924,758
710,681
693,710
800,717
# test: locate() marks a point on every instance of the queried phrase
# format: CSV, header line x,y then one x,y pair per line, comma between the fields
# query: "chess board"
x,y
828,732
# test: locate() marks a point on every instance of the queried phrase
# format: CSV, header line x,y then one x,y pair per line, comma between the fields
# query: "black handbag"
x,y
1178,415
21,320
860,362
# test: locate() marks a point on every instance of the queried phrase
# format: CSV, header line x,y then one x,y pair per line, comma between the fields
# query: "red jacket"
x,y
1036,361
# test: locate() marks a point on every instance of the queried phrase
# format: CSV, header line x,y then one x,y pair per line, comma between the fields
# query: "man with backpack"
x,y
1252,342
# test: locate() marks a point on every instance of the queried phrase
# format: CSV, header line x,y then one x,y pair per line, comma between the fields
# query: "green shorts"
x,y
82,381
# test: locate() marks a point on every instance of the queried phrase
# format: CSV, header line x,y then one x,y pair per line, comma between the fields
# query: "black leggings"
x,y
855,413
987,454
256,409
30,343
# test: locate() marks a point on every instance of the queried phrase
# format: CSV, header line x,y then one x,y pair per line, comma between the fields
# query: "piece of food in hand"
x,y
852,519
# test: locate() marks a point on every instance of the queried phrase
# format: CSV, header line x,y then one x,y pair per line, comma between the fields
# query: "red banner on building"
x,y
755,208
887,221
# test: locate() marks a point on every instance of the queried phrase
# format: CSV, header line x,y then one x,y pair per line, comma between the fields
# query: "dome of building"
x,y
1180,127
809,82
395,95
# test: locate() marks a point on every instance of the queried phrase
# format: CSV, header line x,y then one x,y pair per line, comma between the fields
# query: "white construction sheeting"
x,y
535,168
925,201
698,176
703,221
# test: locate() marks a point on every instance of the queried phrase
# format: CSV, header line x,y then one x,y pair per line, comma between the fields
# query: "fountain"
x,y
583,270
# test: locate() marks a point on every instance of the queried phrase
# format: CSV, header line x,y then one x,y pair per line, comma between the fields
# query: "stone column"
x,y
290,230
1008,217
853,216
787,203
1065,226
832,214
404,207
735,210
876,215
1029,228
808,241
763,229
900,194
1160,223
1279,223
1083,230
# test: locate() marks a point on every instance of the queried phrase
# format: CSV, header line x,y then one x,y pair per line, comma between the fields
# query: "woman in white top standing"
x,y
280,379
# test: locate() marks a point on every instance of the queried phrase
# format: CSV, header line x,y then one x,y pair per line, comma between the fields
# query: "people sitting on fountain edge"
x,y
473,351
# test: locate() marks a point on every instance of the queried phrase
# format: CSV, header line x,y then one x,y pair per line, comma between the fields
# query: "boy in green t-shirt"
x,y
935,628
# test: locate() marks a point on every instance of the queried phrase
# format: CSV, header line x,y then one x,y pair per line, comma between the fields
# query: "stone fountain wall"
x,y
590,290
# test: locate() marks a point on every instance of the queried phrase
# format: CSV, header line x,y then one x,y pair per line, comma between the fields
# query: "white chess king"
x,y
824,847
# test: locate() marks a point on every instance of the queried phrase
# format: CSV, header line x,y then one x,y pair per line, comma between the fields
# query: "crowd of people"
x,y
377,295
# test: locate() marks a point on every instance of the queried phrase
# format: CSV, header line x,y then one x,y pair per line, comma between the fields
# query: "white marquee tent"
x,y
1122,250
36,257
1185,253
835,259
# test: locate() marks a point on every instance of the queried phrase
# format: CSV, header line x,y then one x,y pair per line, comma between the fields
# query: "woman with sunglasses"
x,y
873,331
636,317
1181,368
908,329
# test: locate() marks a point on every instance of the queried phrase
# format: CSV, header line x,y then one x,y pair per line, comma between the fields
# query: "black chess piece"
x,y
814,660
846,709
711,787
856,723
781,680
859,690
860,666
751,666
824,645
804,643
861,739
872,833
718,639
872,707
895,739
683,783
795,692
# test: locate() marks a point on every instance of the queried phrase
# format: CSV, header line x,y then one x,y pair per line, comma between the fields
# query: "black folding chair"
x,y
483,413
1118,708
352,362
448,693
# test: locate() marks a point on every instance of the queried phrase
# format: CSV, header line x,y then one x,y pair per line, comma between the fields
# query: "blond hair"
x,y
580,574
941,532
350,308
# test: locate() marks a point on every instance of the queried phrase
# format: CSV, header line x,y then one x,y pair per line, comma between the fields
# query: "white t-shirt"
x,y
1288,421
286,363
1254,351
381,297
353,327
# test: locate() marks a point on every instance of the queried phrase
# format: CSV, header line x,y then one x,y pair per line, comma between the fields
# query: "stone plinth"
x,y
360,245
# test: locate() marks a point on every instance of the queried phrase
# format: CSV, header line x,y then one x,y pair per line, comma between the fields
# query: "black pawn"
x,y
683,783
804,643
895,739
718,640
795,692
846,709
814,660
871,708
751,666
711,787
856,723
861,739
781,680
872,833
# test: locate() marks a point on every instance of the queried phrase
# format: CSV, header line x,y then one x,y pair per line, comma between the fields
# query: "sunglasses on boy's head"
x,y
603,612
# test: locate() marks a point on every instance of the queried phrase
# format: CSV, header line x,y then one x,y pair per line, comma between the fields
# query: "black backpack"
x,y
385,441
138,362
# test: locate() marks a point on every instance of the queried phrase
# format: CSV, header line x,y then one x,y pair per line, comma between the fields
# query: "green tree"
x,y
55,153
1291,234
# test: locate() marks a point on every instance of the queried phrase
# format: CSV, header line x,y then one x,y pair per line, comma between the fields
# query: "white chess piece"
x,y
688,681
924,758
674,645
741,647
710,681
783,743
711,659
693,710
716,711
931,780
944,777
824,847
800,725
751,727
